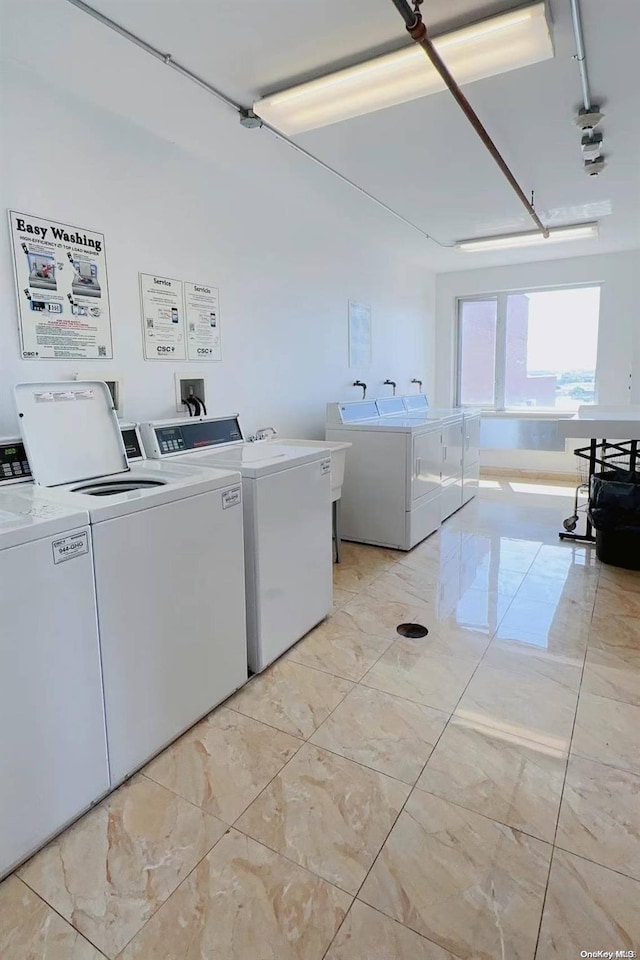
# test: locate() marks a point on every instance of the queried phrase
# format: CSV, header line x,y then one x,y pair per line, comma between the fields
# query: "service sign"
x,y
162,309
62,290
202,313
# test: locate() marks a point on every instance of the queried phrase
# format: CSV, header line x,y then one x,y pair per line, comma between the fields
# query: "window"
x,y
477,366
535,349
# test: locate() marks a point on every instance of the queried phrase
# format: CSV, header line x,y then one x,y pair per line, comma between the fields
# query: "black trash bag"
x,y
614,501
620,548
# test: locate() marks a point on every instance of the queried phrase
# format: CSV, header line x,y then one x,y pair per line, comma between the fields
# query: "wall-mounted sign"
x,y
180,320
62,290
202,312
359,334
162,307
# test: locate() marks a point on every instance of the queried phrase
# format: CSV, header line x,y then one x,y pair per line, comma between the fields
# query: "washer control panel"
x,y
14,465
166,438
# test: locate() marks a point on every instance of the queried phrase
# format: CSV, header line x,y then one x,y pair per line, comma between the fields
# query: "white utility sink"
x,y
338,451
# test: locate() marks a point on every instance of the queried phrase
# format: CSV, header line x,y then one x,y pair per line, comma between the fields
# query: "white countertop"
x,y
601,422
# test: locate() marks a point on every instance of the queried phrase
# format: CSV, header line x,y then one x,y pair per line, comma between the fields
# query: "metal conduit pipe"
x,y
576,18
245,114
418,32
166,58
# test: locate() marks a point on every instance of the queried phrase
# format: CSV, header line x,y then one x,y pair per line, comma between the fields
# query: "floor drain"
x,y
412,630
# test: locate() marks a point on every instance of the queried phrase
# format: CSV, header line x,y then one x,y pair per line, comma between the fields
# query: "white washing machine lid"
x,y
70,431
259,459
24,518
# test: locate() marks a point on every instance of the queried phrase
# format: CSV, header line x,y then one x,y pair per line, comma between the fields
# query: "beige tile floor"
x,y
474,794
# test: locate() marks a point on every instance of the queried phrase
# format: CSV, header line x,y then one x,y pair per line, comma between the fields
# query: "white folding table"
x,y
597,424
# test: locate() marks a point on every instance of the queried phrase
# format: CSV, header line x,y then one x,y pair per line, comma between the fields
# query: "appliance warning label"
x,y
75,545
231,498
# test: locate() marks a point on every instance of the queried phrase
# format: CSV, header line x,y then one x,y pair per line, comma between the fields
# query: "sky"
x,y
563,329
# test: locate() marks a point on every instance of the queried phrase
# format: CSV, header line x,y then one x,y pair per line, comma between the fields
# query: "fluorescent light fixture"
x,y
505,241
506,42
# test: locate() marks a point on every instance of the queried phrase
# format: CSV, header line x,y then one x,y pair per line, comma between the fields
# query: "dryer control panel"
x,y
14,465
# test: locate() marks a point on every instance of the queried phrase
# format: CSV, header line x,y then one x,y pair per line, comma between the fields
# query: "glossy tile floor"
x,y
473,794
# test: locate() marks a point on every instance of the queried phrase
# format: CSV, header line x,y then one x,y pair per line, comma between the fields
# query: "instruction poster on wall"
x,y
180,320
163,326
202,311
359,334
62,290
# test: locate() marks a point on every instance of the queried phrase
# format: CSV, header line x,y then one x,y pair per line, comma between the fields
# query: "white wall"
x,y
618,367
286,244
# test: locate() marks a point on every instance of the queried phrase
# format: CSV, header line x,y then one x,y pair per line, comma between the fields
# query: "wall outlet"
x,y
114,390
188,387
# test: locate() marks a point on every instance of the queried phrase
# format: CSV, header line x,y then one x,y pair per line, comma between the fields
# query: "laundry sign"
x,y
180,319
162,308
359,335
62,290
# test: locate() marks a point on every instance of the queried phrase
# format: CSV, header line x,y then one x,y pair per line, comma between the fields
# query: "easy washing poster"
x,y
62,289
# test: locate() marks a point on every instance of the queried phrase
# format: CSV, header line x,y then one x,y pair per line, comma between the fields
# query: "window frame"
x,y
501,298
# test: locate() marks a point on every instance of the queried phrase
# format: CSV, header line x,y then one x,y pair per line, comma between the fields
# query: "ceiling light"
x,y
494,46
504,241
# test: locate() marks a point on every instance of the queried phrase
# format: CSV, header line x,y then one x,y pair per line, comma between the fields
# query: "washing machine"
x,y
287,523
168,562
53,750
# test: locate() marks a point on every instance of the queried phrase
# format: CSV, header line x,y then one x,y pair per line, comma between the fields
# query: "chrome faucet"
x,y
390,383
359,383
266,433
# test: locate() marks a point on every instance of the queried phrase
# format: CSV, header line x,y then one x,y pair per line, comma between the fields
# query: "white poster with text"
x,y
163,324
359,334
62,290
202,311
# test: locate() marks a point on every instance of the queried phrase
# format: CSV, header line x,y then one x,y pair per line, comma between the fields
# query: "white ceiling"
x,y
422,158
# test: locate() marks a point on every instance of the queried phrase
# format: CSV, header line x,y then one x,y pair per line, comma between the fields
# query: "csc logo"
x,y
204,351
165,349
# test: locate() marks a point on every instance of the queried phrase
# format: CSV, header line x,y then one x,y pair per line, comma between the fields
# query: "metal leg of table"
x,y
336,528
587,536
